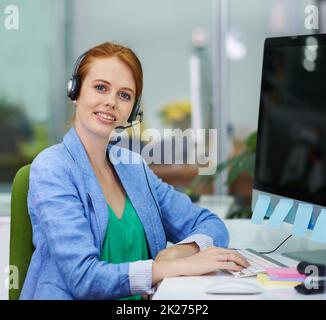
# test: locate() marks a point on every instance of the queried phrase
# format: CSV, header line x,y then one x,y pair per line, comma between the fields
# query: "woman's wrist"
x,y
189,248
180,250
174,266
164,269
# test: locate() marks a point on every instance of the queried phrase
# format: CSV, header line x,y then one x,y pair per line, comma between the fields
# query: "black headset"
x,y
73,88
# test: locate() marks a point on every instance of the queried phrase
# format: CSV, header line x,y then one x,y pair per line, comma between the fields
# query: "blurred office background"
x,y
224,38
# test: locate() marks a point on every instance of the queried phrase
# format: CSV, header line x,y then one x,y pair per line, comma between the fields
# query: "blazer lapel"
x,y
132,179
100,207
94,190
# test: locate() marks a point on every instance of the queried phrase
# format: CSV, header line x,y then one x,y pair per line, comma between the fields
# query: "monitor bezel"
x,y
259,186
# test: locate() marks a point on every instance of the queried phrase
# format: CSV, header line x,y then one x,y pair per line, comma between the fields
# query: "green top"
x,y
125,239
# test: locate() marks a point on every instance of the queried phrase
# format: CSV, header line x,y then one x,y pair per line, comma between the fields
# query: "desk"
x,y
243,234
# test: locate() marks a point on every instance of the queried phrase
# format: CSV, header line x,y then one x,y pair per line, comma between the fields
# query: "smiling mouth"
x,y
105,116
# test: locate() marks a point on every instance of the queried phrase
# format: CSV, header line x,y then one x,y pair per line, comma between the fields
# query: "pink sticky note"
x,y
285,273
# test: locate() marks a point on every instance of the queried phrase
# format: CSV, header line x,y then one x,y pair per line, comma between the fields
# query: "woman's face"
x,y
106,98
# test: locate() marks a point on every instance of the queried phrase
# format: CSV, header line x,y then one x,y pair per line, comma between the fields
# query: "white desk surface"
x,y
243,234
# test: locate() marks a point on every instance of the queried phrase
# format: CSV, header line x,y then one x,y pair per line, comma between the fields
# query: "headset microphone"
x,y
121,128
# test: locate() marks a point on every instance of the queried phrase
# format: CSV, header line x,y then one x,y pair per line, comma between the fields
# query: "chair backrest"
x,y
21,245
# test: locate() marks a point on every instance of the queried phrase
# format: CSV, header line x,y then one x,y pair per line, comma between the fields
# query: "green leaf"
x,y
31,149
251,142
244,164
234,173
242,213
250,164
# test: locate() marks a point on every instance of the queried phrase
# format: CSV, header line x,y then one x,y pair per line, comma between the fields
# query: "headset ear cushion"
x,y
69,86
75,87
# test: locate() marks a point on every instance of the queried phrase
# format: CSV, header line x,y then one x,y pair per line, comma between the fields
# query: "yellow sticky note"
x,y
264,280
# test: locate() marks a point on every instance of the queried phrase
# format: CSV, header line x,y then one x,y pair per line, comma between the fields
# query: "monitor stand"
x,y
312,256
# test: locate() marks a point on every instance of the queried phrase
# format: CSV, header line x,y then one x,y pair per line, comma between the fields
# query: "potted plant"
x,y
237,165
177,114
30,149
22,142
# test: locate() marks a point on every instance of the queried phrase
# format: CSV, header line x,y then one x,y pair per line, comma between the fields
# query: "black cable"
x,y
150,190
267,252
149,187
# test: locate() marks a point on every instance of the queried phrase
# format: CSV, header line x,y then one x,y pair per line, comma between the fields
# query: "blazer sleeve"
x,y
54,200
183,219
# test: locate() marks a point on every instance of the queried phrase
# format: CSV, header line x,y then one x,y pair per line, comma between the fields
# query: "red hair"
x,y
108,50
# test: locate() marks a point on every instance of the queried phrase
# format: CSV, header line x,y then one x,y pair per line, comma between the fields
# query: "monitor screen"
x,y
291,140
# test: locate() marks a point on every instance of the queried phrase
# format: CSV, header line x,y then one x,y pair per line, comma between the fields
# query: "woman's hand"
x,y
178,251
206,261
210,260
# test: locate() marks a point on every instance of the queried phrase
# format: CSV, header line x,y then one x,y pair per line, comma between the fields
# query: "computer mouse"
x,y
234,287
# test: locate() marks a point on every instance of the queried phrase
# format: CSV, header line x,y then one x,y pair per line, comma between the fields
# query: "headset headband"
x,y
74,85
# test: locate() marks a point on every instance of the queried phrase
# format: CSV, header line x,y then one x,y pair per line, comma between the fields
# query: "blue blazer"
x,y
69,218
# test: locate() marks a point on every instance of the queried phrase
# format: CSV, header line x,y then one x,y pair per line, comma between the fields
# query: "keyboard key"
x,y
257,264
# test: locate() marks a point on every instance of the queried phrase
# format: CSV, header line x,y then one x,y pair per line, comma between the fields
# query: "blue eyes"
x,y
125,96
102,89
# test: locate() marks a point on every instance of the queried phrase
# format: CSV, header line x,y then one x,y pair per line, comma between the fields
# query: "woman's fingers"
x,y
222,254
233,257
229,266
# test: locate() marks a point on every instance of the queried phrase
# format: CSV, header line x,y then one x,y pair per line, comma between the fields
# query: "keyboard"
x,y
258,263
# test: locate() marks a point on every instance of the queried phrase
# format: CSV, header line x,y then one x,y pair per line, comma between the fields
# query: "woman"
x,y
100,228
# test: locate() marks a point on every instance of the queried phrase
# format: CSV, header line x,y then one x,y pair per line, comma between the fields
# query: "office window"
x,y
31,77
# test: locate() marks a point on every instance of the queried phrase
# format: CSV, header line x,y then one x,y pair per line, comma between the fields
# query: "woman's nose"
x,y
111,103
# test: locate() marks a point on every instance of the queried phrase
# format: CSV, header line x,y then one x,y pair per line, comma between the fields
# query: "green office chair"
x,y
21,245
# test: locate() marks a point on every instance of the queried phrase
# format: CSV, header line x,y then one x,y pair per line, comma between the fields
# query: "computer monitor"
x,y
291,139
